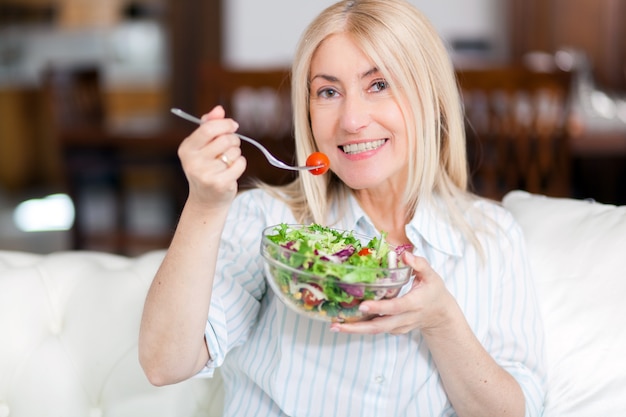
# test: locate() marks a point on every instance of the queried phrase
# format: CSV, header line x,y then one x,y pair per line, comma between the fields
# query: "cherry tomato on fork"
x,y
315,159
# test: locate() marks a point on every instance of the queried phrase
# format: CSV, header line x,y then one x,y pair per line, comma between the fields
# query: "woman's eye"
x,y
379,85
327,93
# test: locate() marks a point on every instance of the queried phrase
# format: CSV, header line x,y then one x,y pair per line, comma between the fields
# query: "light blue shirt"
x,y
277,363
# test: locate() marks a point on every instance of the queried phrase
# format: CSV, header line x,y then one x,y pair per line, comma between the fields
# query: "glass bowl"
x,y
330,284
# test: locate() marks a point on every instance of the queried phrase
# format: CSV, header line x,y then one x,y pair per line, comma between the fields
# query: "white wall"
x,y
458,18
264,33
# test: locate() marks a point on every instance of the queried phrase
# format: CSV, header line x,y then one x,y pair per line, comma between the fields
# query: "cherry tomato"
x,y
309,298
315,159
350,304
365,252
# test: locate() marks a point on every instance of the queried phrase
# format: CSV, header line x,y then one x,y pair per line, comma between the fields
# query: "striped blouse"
x,y
275,362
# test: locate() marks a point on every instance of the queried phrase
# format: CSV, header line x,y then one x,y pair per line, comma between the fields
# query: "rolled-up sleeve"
x,y
517,339
239,283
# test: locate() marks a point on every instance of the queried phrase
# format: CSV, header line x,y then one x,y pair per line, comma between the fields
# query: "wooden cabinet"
x,y
23,161
594,26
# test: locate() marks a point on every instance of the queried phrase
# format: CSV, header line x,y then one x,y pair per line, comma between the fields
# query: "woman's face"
x,y
356,120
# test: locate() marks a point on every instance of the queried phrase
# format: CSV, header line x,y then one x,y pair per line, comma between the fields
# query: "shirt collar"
x,y
428,226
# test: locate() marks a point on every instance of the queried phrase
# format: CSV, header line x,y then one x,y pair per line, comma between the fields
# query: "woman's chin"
x,y
363,182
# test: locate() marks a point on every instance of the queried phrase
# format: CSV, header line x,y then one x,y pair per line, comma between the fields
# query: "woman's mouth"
x,y
355,148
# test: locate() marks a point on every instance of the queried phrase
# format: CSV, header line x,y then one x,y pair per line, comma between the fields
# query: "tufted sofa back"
x,y
69,324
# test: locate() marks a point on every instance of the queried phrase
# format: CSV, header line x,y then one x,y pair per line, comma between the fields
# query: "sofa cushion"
x,y
577,250
69,324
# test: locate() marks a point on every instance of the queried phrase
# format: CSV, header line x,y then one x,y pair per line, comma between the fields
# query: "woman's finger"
x,y
379,324
399,305
216,112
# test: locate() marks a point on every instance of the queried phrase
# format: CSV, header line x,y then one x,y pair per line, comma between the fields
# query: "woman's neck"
x,y
387,214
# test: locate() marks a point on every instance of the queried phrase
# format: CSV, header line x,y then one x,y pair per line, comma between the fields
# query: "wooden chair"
x,y
100,162
516,126
260,102
76,114
76,95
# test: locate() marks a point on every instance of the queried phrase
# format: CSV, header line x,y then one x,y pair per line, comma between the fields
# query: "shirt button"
x,y
379,379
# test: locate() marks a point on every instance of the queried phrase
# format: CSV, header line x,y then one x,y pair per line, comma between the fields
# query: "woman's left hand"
x,y
426,306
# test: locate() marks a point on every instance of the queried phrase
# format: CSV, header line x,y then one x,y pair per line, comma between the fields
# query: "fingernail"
x,y
364,308
334,329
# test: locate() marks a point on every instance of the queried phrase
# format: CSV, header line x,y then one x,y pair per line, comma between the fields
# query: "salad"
x,y
329,272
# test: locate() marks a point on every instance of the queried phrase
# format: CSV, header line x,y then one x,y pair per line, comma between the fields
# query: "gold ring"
x,y
225,160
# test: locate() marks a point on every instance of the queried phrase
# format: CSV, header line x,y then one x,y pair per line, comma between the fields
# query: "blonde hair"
x,y
407,50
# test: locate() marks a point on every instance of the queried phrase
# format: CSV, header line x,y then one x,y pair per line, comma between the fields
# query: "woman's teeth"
x,y
363,146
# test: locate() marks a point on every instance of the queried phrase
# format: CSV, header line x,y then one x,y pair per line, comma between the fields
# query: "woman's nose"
x,y
355,113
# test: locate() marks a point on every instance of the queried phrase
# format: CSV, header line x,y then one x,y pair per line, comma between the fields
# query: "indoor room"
x,y
92,189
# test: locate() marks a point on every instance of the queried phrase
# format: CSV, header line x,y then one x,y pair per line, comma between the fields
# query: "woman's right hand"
x,y
212,161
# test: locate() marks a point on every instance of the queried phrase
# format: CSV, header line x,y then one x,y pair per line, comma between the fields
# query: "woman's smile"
x,y
360,147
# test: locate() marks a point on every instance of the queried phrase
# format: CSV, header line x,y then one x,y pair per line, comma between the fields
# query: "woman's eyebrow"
x,y
325,77
369,72
331,78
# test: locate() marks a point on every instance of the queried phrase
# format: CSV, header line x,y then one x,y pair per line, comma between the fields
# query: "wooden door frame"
x,y
196,37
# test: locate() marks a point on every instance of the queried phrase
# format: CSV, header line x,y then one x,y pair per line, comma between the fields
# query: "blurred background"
x,y
88,147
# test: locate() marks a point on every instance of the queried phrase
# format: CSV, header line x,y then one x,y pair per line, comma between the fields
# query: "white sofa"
x,y
69,323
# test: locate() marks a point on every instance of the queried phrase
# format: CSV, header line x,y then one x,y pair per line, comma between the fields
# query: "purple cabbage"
x,y
345,253
402,248
354,290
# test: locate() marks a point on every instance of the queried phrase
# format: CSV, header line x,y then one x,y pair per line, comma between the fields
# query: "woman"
x,y
374,89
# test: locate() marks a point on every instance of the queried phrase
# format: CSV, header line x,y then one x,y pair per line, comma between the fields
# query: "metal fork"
x,y
271,158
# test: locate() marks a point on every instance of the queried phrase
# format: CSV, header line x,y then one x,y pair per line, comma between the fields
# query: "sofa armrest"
x,y
577,252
